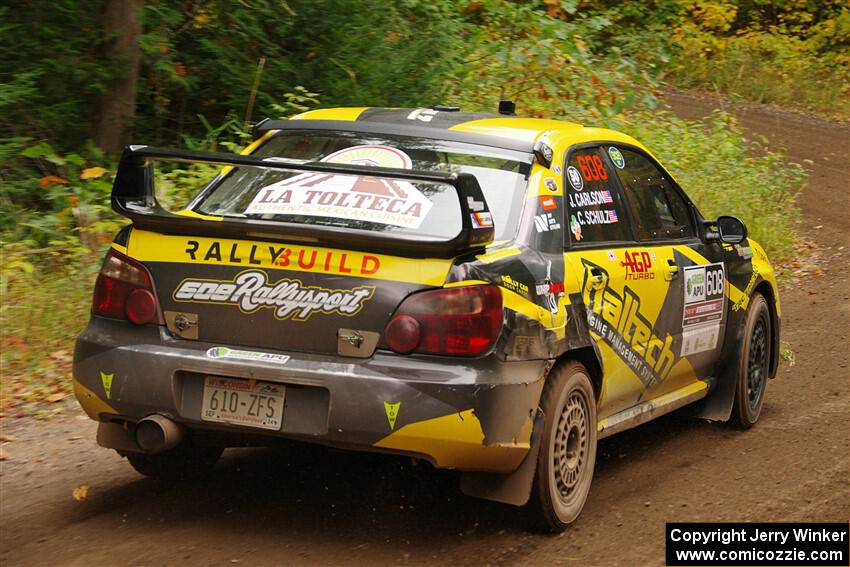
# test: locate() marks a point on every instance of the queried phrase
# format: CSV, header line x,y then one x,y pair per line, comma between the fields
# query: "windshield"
x,y
370,203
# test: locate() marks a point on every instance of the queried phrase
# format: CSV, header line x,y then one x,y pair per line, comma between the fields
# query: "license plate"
x,y
243,402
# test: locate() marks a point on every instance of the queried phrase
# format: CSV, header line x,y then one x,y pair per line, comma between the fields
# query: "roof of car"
x,y
508,132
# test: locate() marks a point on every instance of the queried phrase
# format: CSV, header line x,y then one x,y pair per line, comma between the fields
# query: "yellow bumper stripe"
x,y
456,441
91,402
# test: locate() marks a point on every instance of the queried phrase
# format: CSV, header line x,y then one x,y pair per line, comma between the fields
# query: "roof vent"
x,y
507,107
441,108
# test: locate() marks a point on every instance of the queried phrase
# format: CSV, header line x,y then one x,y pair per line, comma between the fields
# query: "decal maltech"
x,y
619,322
379,200
146,246
289,298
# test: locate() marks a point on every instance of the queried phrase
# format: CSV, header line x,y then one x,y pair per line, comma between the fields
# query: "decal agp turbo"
x,y
485,292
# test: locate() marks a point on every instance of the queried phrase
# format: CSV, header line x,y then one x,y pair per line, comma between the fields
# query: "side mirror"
x,y
730,230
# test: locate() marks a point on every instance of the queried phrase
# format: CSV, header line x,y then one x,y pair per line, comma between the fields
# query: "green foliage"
x,y
764,67
359,53
545,64
41,312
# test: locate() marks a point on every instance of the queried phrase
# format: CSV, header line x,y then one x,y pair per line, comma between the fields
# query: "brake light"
x,y
124,290
463,321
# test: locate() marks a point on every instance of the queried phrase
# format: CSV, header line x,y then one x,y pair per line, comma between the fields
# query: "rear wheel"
x,y
754,366
184,462
568,447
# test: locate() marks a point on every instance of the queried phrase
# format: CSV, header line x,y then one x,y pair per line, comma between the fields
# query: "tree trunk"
x,y
116,108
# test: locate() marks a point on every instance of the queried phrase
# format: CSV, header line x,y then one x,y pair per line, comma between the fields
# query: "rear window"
x,y
370,203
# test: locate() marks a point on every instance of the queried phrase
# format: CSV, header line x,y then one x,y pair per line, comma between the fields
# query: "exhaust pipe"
x,y
156,433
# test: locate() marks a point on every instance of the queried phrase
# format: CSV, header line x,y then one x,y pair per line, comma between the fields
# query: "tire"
x,y
567,448
753,368
185,462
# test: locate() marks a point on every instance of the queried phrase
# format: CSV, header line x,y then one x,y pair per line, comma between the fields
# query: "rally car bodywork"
x,y
656,316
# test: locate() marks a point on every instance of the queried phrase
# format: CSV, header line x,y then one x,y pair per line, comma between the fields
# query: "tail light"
x,y
124,290
463,321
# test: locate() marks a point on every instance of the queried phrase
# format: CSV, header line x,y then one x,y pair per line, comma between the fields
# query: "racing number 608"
x,y
592,168
714,282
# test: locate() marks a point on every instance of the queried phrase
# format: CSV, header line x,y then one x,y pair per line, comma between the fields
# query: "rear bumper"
x,y
456,413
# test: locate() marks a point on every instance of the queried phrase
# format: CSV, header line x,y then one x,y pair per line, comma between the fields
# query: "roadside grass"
x,y
764,67
40,314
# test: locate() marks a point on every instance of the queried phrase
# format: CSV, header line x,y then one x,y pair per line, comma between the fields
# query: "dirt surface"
x,y
306,505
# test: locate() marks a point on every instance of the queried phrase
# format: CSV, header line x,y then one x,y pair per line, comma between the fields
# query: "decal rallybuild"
x,y
619,322
289,298
307,259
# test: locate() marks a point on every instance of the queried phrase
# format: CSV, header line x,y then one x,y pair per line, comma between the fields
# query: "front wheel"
x,y
568,447
753,369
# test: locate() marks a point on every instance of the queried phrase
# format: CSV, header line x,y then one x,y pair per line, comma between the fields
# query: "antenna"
x,y
507,107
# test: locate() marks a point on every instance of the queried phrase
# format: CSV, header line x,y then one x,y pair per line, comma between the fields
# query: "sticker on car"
x,y
289,298
353,197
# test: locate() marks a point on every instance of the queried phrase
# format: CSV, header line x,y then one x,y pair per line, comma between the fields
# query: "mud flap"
x,y
512,488
717,406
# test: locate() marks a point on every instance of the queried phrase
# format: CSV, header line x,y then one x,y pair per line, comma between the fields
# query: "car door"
x,y
600,247
689,286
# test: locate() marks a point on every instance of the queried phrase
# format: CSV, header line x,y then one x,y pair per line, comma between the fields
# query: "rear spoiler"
x,y
134,196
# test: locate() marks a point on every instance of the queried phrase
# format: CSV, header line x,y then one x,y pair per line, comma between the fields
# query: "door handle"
x,y
672,270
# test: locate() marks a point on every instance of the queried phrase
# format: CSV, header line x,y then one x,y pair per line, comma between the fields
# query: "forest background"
x,y
79,79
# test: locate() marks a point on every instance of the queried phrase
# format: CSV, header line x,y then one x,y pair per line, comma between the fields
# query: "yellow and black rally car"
x,y
485,292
